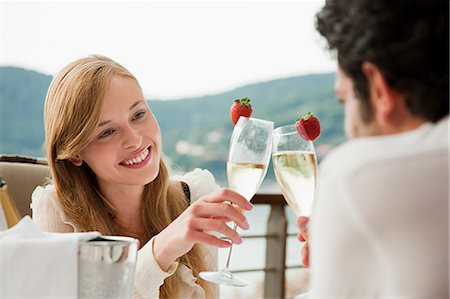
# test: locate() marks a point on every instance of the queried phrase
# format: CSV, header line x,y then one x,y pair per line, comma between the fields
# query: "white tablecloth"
x,y
38,264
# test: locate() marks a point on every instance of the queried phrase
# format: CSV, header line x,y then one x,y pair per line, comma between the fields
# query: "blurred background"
x,y
192,59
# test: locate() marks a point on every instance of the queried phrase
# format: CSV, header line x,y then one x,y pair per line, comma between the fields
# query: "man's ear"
x,y
77,161
383,96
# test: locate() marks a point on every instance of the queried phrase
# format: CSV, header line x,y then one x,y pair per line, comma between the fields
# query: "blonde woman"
x,y
104,149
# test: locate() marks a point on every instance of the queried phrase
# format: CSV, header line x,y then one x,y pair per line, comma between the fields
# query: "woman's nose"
x,y
132,138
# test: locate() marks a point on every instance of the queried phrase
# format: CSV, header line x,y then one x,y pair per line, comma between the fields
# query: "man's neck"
x,y
392,127
402,124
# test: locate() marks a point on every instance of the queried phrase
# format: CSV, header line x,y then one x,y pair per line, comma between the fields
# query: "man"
x,y
380,225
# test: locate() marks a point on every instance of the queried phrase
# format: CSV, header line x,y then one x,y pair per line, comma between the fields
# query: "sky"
x,y
176,49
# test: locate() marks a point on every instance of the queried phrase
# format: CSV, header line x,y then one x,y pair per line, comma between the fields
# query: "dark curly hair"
x,y
407,40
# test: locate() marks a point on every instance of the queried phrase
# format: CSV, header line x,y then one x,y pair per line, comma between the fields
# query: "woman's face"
x,y
125,148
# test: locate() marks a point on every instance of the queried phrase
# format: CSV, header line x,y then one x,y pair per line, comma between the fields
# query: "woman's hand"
x,y
302,224
208,214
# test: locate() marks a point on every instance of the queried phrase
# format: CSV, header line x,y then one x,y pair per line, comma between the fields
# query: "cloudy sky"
x,y
175,48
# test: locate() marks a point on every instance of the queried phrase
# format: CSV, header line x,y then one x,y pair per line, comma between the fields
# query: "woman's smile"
x,y
139,160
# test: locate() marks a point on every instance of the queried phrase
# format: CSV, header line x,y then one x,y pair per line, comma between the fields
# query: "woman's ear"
x,y
77,161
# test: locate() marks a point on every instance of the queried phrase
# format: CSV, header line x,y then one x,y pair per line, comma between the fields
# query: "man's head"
x,y
393,59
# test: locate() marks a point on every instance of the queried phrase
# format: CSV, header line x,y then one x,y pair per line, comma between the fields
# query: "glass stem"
x,y
227,265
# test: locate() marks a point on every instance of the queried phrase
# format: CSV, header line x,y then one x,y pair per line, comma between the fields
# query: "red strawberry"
x,y
308,127
240,107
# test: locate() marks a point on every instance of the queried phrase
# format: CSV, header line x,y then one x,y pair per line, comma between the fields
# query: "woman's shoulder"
x,y
200,182
43,195
47,212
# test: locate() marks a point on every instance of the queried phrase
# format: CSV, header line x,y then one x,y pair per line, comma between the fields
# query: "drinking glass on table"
x,y
248,159
295,165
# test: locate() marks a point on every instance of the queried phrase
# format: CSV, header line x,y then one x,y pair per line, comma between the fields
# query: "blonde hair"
x,y
72,110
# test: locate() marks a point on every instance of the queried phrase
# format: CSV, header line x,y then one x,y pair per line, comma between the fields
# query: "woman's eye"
x,y
106,133
139,115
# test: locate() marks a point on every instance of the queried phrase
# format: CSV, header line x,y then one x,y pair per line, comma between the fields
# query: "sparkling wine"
x,y
296,173
245,178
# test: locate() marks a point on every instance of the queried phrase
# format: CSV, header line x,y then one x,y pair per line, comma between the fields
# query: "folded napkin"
x,y
38,264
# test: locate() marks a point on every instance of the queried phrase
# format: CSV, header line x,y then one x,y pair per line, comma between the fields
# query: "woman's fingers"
x,y
223,219
229,195
217,206
220,210
207,239
208,214
203,224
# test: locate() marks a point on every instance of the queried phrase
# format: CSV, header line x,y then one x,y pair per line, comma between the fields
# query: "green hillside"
x,y
195,131
22,94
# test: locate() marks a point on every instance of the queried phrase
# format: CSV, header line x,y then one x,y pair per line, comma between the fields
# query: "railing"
x,y
276,236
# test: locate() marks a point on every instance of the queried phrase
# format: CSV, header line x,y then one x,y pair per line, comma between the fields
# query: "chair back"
x,y
22,175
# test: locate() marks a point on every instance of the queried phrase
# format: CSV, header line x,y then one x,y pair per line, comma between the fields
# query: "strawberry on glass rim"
x,y
240,107
308,127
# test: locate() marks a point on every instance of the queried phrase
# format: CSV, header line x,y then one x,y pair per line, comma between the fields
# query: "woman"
x,y
104,150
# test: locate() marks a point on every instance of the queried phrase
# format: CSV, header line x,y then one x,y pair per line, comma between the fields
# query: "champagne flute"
x,y
248,159
295,165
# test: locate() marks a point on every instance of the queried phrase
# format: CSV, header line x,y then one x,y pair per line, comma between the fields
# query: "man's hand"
x,y
302,224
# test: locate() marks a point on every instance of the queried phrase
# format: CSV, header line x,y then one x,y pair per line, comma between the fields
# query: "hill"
x,y
22,94
196,131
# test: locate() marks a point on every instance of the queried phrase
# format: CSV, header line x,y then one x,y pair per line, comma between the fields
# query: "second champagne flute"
x,y
248,159
295,165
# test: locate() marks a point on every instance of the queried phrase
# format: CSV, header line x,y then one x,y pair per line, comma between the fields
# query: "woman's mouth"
x,y
138,161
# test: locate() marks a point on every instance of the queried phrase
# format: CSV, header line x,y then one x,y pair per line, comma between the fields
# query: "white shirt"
x,y
380,226
149,277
